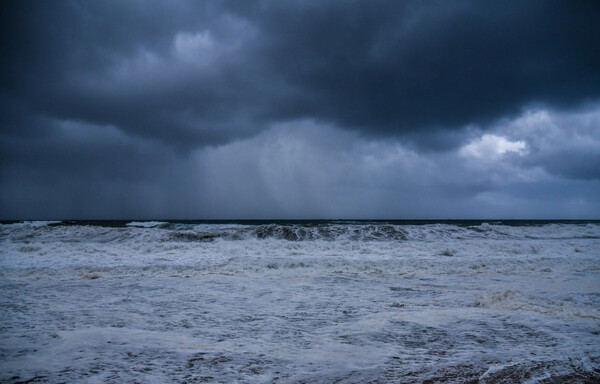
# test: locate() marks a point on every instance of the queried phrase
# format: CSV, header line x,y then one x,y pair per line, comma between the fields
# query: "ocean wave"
x,y
379,232
32,223
146,224
163,231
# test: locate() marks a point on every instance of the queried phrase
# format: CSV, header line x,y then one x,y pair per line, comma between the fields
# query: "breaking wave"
x,y
377,231
314,230
146,224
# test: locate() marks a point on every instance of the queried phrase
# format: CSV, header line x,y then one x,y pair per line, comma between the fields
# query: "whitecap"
x,y
146,224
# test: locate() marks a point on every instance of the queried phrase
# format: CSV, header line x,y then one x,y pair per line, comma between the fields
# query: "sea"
x,y
341,301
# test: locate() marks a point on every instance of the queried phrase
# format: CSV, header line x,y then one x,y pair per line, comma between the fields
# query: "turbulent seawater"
x,y
300,302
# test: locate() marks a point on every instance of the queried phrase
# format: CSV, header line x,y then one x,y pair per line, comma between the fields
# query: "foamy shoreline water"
x,y
301,302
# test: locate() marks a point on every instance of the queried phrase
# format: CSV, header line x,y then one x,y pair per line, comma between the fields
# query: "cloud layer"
x,y
299,109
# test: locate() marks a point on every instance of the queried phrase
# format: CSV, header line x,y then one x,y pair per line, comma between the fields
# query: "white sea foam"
x,y
33,223
349,302
146,224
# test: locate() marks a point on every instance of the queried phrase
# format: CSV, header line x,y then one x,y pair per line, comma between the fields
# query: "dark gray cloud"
x,y
299,108
114,64
196,73
434,64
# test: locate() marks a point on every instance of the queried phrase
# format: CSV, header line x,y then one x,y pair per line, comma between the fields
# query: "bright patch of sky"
x,y
490,146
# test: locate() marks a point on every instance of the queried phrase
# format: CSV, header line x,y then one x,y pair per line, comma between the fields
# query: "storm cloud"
x,y
240,109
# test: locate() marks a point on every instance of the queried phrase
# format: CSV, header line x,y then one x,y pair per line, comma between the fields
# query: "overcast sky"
x,y
299,109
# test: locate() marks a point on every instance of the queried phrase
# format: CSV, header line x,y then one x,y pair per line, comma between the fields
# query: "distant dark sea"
x,y
462,223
